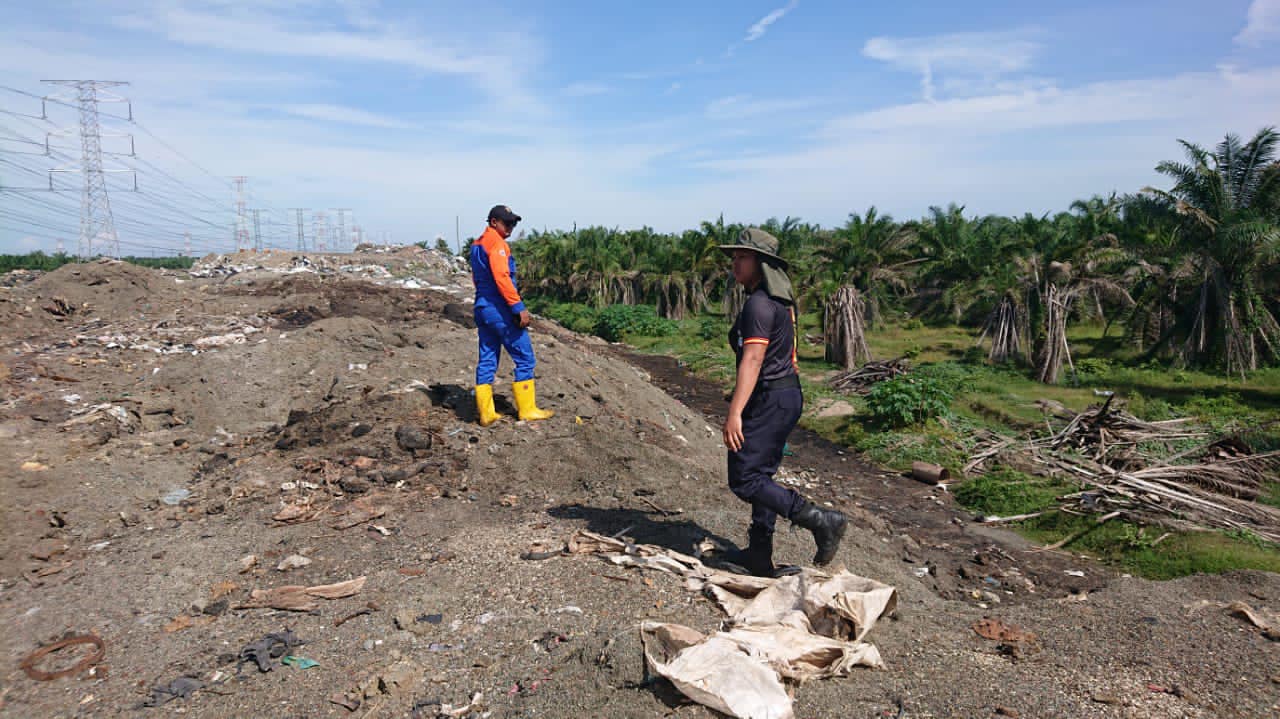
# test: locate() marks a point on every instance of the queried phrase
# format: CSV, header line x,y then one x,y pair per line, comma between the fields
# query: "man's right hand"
x,y
525,319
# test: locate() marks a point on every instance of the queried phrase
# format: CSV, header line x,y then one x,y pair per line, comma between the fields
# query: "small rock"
x,y
1105,698
46,548
369,645
485,618
354,485
216,609
34,467
412,439
1007,712
293,561
400,677
361,430
246,563
363,463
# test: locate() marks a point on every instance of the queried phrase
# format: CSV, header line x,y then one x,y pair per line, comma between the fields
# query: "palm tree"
x,y
874,254
1227,208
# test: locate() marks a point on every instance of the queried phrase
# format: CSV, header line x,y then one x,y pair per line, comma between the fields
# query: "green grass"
x,y
1004,400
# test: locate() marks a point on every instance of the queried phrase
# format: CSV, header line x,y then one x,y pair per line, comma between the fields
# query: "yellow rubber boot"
x,y
484,405
527,404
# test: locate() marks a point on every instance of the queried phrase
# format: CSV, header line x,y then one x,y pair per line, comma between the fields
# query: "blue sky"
x,y
623,114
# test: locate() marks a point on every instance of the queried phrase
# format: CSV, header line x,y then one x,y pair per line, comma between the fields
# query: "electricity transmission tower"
x,y
97,225
340,240
320,220
257,231
302,238
242,222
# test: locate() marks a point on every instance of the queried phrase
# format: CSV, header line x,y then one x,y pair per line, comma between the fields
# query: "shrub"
x,y
1006,492
615,321
1094,368
711,328
909,399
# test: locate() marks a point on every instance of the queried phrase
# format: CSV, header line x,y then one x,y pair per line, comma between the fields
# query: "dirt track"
x,y
325,399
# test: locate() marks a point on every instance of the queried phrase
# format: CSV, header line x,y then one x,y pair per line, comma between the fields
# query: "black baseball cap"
x,y
504,213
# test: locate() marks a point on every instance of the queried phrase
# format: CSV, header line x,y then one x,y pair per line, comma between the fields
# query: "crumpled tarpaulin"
x,y
805,626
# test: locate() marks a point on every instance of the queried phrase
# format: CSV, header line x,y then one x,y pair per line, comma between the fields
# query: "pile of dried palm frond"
x,y
1108,451
860,380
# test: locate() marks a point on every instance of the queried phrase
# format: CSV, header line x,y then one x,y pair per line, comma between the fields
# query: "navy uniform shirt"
x,y
766,321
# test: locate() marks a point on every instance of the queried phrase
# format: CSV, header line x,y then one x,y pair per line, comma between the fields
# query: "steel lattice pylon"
x,y
97,225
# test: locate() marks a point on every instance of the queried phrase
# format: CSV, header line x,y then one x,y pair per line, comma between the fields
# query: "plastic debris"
x,y
180,688
174,497
264,650
299,662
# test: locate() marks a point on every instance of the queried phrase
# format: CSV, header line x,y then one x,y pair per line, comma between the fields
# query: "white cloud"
x,y
262,33
1262,23
757,31
968,55
1201,95
343,115
737,107
585,89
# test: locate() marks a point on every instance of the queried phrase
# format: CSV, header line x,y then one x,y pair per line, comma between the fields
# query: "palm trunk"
x,y
1055,352
844,324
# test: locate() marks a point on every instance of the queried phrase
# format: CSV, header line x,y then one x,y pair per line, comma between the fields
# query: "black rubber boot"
x,y
757,558
827,526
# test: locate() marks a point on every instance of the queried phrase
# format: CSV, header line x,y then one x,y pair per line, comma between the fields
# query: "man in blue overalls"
x,y
501,319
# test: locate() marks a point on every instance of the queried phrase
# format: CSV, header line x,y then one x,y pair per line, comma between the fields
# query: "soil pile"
x,y
192,469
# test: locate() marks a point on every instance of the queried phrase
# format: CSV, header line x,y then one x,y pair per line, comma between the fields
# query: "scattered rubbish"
x,y
98,546
998,631
34,467
263,651
180,688
299,662
795,628
929,473
95,655
714,672
1270,625
570,609
297,512
485,618
71,398
88,415
1074,573
174,497
475,705
509,500
293,561
360,511
346,701
297,598
46,549
920,572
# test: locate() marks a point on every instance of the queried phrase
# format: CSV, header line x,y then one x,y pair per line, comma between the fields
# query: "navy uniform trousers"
x,y
768,418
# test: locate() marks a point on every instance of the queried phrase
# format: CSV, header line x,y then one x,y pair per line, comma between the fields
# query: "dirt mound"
x,y
171,470
107,287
